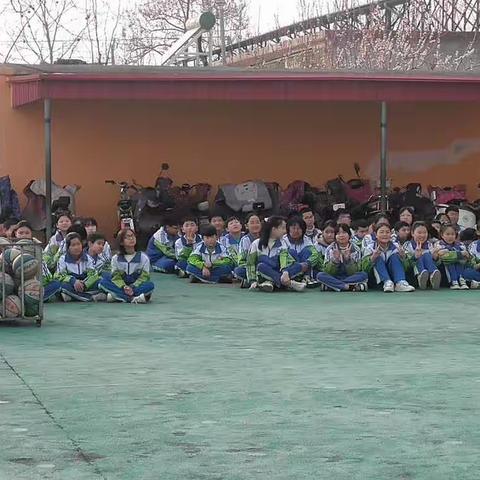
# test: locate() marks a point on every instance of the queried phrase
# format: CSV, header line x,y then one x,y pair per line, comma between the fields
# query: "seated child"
x,y
76,273
421,253
210,262
360,228
96,251
453,214
384,258
326,238
129,281
269,265
91,227
218,221
474,251
9,227
454,258
370,238
300,247
62,224
342,266
52,253
161,247
406,215
309,218
185,244
254,227
401,232
231,241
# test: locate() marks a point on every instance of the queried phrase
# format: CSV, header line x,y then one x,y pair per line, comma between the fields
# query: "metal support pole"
x,y
47,110
383,156
221,11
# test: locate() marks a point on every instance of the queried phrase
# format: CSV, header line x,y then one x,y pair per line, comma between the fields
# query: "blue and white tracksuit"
x,y
183,249
269,262
161,251
51,286
232,245
388,266
128,271
70,270
313,235
343,272
425,262
240,271
216,259
455,265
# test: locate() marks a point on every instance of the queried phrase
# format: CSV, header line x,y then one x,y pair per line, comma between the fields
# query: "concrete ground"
x,y
215,383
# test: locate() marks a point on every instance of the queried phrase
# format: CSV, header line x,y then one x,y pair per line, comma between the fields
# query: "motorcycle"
x,y
125,206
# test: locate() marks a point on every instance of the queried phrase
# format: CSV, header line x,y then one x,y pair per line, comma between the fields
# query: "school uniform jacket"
x,y
69,270
203,256
474,251
243,249
410,248
454,254
133,273
367,253
313,235
343,266
183,249
162,242
277,257
232,245
302,250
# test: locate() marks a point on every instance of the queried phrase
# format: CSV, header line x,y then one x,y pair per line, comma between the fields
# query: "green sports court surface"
x,y
214,383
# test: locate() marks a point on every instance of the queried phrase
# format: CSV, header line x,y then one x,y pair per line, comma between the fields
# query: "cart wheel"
x,y
39,323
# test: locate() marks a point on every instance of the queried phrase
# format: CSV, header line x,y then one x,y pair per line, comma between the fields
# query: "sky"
x,y
263,12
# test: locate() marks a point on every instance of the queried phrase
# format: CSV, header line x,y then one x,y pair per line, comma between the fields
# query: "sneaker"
x,y
266,287
140,299
435,279
65,297
297,286
285,278
310,283
474,285
99,297
182,273
193,279
404,286
244,283
388,287
422,279
463,284
254,286
455,286
110,298
361,287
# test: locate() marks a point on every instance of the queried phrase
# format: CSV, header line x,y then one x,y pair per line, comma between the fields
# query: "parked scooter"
x,y
125,205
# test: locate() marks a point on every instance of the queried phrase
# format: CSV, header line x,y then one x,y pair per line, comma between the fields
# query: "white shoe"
x,y
99,297
463,284
182,273
361,287
455,286
110,298
474,285
266,287
66,298
140,299
422,279
297,286
388,287
404,286
285,278
435,279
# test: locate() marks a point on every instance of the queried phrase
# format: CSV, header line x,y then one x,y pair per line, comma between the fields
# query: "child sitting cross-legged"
x,y
269,264
185,244
129,281
96,251
342,265
75,271
210,262
385,259
254,227
422,254
161,247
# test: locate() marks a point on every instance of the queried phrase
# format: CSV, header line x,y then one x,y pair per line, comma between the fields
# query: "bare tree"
x,y
156,24
45,30
418,41
102,20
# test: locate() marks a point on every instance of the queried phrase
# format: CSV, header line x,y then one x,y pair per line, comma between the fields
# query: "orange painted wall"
x,y
231,142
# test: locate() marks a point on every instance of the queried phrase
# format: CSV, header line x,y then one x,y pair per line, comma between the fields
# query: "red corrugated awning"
x,y
247,85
